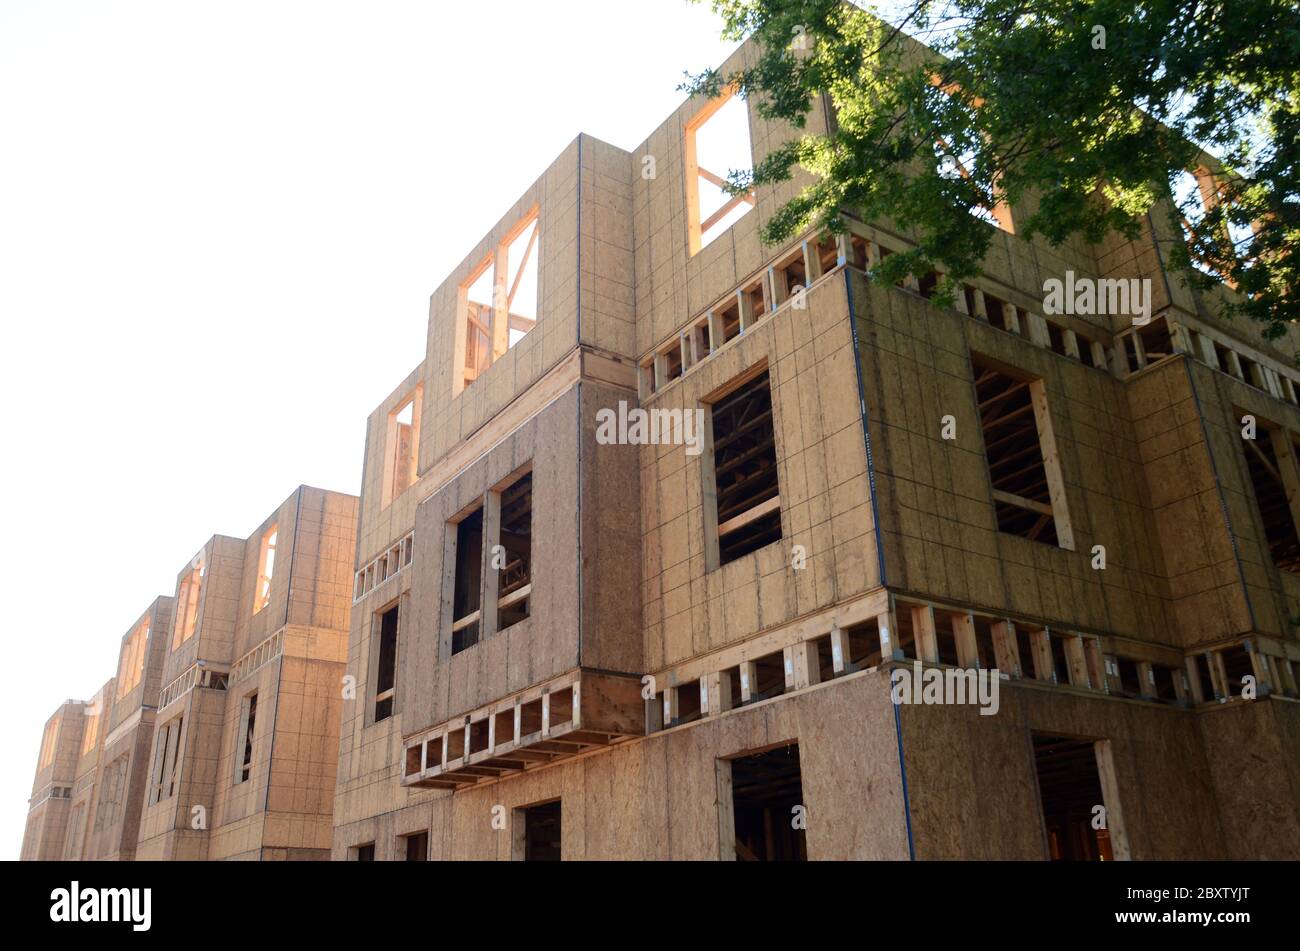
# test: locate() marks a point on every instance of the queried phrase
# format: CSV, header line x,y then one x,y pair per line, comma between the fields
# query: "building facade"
x,y
218,738
583,633
676,545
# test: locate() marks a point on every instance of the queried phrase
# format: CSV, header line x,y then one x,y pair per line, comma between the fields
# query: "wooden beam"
x,y
1006,649
748,680
1110,794
812,262
1052,464
927,640
840,652
1040,643
1076,662
1146,679
745,308
889,648
963,632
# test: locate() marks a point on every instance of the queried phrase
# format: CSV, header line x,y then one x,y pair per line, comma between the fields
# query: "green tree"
x,y
1081,111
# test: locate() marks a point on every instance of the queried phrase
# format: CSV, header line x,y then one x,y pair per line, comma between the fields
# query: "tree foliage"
x,y
1078,112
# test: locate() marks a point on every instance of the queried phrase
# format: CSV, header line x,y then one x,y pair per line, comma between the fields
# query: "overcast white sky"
x,y
219,227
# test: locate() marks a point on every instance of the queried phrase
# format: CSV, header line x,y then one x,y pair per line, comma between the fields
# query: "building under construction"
x,y
218,737
652,536
586,647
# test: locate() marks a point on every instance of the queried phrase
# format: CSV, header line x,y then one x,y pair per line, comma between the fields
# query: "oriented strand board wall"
x,y
941,533
671,285
447,419
434,685
1254,754
974,794
219,605
610,555
657,797
825,495
1272,598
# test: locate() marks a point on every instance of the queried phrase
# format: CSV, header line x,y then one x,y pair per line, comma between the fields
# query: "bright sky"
x,y
219,227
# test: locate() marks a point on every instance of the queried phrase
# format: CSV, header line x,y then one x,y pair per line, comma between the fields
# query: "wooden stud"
x,y
1207,353
500,329
1234,365
1264,684
803,668
1006,649
716,334
927,640
748,680
1110,794
745,309
1040,642
491,576
843,250
779,284
889,649
1181,689
1146,679
1038,332
654,716
720,687
1290,671
1096,664
963,632
1075,661
812,263
1011,318
1193,678
840,651
1052,465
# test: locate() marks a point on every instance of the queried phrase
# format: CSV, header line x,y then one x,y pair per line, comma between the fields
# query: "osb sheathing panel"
x,y
657,797
606,315
238,800
671,285
306,740
47,830
940,528
74,843
311,583
825,496
1254,754
1183,477
610,554
220,602
448,419
98,713
165,821
145,692
1270,602
62,768
973,788
379,526
436,685
117,839
1147,261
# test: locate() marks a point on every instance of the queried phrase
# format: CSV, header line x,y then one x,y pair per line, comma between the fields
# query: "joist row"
x,y
568,715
